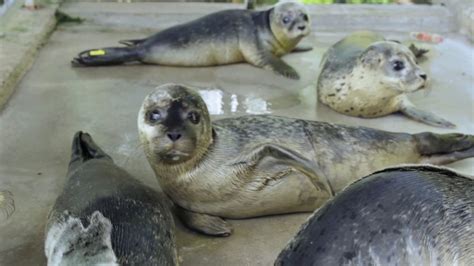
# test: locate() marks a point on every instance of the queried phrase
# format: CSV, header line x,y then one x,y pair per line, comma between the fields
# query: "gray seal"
x,y
231,36
367,76
105,216
262,164
408,215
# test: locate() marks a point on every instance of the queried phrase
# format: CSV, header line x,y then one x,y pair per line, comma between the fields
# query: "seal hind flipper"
x,y
444,148
418,52
132,42
407,108
307,167
7,204
70,242
84,148
204,223
106,56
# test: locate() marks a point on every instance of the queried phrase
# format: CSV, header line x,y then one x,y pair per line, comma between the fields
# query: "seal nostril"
x,y
423,76
174,136
302,27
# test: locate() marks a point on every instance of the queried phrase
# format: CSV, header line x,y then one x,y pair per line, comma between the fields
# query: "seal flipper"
x,y
279,66
7,204
84,148
444,148
68,242
300,49
418,52
106,56
131,42
292,158
204,223
407,108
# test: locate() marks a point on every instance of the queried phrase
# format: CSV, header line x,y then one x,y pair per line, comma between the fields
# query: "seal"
x,y
408,215
105,216
7,204
366,76
261,164
231,36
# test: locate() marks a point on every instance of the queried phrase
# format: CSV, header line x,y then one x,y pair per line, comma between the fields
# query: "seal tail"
x,y
84,148
444,148
106,56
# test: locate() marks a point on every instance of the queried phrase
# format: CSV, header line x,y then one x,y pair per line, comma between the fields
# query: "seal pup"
x,y
366,76
259,38
105,216
407,215
261,164
7,204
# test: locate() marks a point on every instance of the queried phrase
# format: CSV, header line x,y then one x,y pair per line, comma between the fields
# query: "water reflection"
x,y
222,103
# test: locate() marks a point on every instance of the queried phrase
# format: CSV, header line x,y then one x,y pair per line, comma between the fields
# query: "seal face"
x,y
105,216
225,37
261,165
408,215
366,76
176,126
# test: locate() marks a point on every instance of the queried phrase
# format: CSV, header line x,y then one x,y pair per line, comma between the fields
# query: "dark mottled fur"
x,y
413,215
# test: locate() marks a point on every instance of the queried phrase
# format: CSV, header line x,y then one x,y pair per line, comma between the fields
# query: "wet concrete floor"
x,y
53,101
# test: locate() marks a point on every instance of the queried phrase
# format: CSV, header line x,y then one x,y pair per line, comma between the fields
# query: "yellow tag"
x,y
97,52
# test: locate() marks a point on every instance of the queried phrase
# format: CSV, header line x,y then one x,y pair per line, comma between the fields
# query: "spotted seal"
x,y
262,164
231,36
105,216
408,215
367,76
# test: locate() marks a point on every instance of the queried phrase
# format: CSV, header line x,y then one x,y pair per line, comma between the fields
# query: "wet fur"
x,y
223,179
407,215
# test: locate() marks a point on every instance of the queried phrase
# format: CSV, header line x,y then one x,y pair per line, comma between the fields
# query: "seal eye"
x,y
398,65
154,116
193,117
286,20
305,17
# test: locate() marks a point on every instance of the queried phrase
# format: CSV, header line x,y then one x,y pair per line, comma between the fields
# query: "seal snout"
x,y
174,136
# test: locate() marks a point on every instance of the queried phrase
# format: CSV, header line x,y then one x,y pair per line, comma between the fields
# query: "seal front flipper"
x,y
290,157
7,204
300,49
407,108
204,223
132,42
107,56
279,66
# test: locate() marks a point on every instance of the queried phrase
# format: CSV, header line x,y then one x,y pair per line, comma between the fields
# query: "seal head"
x,y
394,64
174,124
289,22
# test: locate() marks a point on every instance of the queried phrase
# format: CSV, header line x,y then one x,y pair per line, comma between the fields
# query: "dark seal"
x,y
104,215
407,215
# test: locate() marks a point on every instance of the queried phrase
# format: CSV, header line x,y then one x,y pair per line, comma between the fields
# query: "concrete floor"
x,y
53,101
